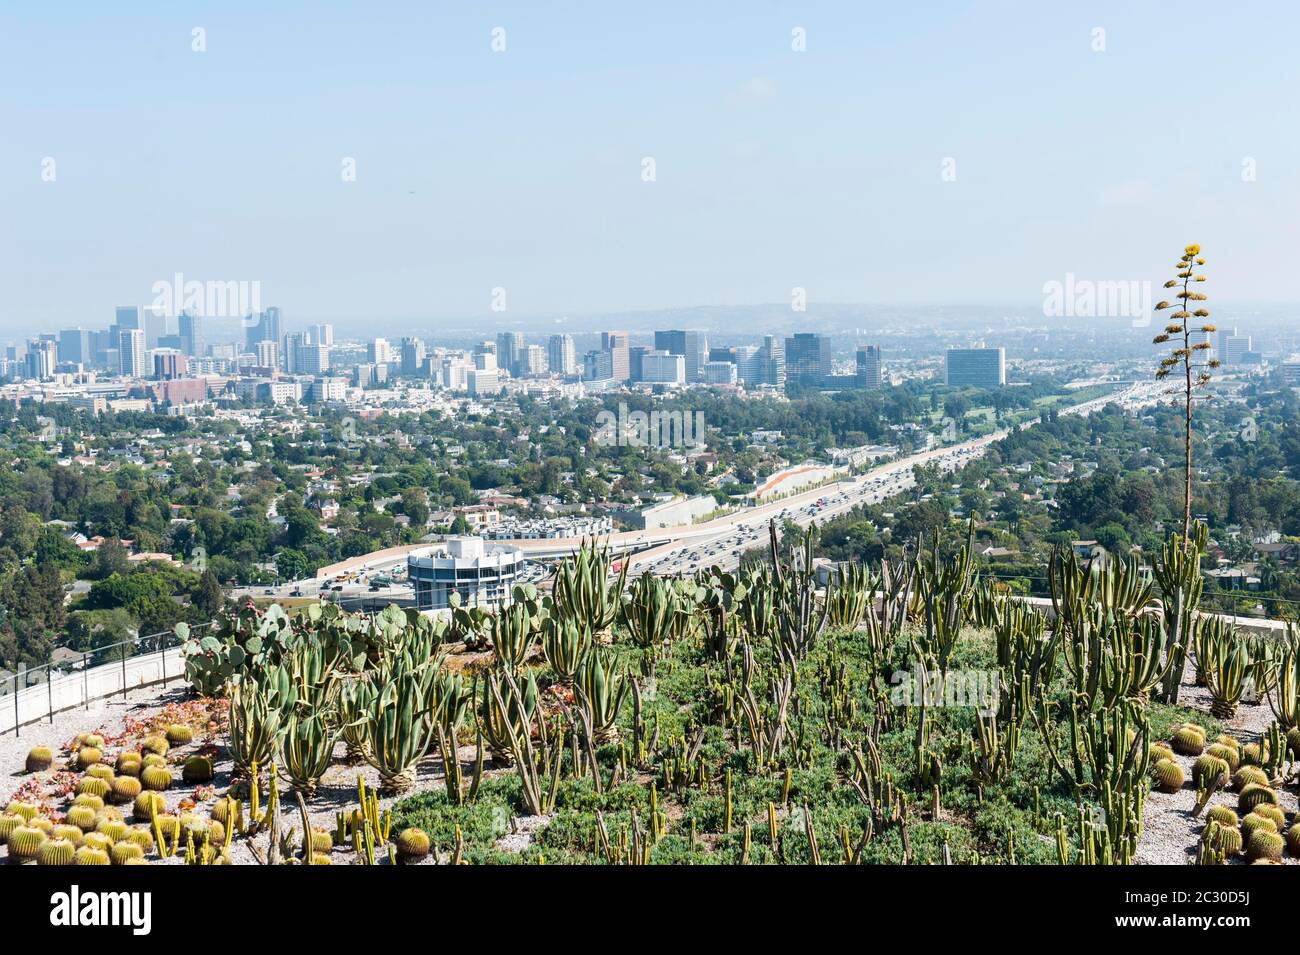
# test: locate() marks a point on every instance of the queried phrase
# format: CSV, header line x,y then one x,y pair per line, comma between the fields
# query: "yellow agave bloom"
x,y
1193,250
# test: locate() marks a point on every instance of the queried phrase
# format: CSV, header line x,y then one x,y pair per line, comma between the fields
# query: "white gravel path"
x,y
1169,833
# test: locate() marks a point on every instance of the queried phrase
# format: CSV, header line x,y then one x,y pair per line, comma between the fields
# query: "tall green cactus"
x,y
582,589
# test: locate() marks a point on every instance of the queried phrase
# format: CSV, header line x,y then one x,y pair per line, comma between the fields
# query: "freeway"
x,y
722,542
685,549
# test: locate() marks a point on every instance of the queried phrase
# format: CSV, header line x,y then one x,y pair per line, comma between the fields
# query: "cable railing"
x,y
38,693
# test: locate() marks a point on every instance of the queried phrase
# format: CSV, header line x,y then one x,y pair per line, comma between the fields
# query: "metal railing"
x,y
38,693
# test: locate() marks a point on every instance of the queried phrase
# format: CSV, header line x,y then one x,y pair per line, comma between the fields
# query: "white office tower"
x,y
132,355
663,368
561,355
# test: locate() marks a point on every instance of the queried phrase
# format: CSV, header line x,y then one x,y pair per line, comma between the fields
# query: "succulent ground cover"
x,y
904,713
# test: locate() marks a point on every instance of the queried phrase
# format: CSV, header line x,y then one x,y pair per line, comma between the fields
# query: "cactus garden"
x,y
904,713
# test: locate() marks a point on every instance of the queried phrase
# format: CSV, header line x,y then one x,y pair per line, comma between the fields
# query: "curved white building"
x,y
481,573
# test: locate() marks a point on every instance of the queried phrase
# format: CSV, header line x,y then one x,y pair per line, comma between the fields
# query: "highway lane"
x,y
719,541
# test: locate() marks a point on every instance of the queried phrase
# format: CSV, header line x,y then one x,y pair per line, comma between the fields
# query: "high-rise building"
x,y
720,372
268,353
561,355
379,351
663,368
616,343
412,356
870,372
75,345
42,356
313,359
771,363
190,327
321,335
168,364
976,367
532,361
154,322
263,327
807,359
1234,349
131,353
598,365
636,361
127,316
691,344
509,347
1291,372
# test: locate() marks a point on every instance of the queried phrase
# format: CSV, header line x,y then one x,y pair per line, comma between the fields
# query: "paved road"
x,y
719,541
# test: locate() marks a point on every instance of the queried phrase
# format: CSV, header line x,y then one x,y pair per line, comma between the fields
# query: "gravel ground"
x,y
1169,833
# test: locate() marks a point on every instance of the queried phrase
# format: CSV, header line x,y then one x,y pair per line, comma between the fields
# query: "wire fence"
x,y
38,693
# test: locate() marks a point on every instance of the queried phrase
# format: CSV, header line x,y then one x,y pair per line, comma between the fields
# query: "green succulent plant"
x,y
90,856
197,769
1169,776
412,845
1223,815
1188,741
123,852
1264,844
94,786
147,805
179,734
83,817
156,778
1293,840
1254,795
56,852
25,842
1208,768
125,789
88,756
1247,776
39,759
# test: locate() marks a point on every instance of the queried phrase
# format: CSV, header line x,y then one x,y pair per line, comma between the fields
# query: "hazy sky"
x,y
523,169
